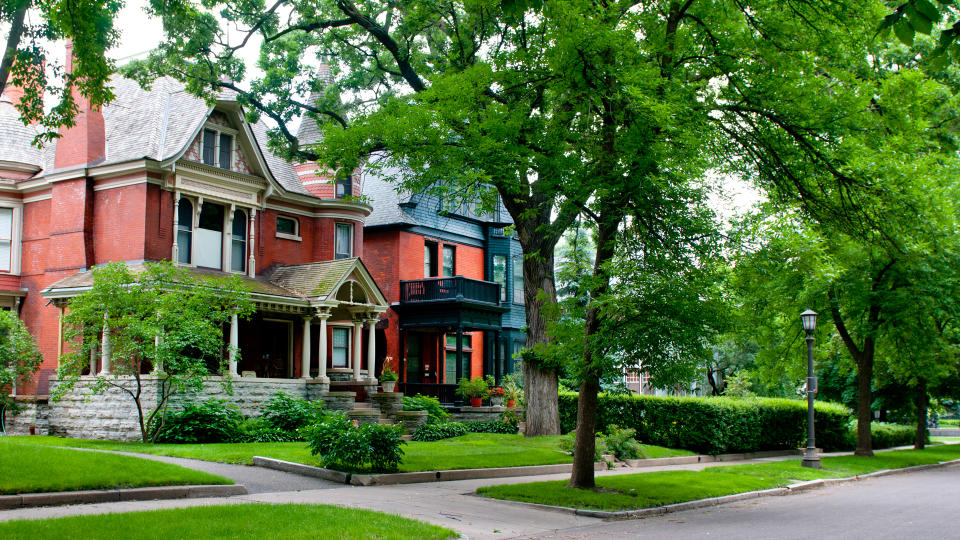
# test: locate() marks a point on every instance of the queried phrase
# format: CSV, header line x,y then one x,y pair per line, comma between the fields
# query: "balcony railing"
x,y
449,288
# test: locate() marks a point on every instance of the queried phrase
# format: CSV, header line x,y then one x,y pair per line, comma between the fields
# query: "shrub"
x,y
568,441
621,443
254,430
511,417
436,413
886,435
494,426
715,425
289,413
211,421
435,432
343,445
477,387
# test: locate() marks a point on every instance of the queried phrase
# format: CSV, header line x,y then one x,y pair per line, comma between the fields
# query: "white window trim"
x,y
226,244
16,233
349,226
349,328
286,236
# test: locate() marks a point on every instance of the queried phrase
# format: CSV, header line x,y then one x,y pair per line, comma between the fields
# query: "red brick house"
x,y
160,175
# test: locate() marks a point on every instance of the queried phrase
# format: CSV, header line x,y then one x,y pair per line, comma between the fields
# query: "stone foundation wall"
x,y
31,414
476,414
249,393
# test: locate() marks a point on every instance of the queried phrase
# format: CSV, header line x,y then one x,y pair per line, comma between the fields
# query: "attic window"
x,y
344,186
217,148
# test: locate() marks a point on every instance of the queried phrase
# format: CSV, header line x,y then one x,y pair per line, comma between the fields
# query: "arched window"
x,y
184,231
238,246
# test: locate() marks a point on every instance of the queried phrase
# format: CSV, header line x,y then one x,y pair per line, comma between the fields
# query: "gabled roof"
x,y
322,280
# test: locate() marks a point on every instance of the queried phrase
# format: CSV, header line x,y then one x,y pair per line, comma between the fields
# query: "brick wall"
x,y
119,223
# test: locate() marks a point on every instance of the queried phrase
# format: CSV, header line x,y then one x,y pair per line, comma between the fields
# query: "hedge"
x,y
716,425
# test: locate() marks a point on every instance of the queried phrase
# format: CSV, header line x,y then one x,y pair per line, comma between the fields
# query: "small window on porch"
x,y
450,357
341,346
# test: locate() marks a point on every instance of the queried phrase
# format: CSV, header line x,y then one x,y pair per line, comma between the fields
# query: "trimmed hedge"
x,y
715,425
886,435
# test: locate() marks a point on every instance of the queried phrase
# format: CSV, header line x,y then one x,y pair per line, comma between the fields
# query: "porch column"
x,y
105,347
157,364
234,344
357,337
372,349
252,261
93,360
323,316
305,351
175,253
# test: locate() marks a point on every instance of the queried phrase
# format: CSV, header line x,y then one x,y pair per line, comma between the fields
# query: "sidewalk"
x,y
449,504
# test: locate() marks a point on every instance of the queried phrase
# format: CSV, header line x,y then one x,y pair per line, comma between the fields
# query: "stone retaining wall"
x,y
477,414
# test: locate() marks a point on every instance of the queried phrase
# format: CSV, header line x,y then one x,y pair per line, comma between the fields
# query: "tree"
x,y
89,26
161,321
19,359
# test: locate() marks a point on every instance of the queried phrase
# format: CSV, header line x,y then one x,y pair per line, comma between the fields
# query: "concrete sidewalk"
x,y
450,504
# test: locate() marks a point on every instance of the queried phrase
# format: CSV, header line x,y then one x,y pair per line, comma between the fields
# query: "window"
x,y
449,261
450,356
518,280
217,148
344,241
429,259
344,186
288,227
341,346
209,236
500,274
6,238
238,244
184,231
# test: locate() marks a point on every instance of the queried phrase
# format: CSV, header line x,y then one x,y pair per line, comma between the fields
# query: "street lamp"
x,y
810,458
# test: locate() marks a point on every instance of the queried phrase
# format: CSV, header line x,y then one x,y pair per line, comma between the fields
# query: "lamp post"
x,y
810,458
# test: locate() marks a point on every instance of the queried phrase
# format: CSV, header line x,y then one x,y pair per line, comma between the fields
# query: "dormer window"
x,y
217,148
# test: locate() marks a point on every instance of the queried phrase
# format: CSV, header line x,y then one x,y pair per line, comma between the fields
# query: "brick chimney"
x,y
85,142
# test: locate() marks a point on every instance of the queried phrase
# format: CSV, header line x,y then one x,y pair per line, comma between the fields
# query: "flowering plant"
x,y
497,391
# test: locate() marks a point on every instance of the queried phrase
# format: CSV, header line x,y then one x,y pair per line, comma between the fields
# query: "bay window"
x,y
238,244
209,236
184,231
500,274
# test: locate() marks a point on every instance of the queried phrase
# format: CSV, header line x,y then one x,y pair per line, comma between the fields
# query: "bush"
x,y
436,413
211,421
253,430
886,435
345,446
435,432
621,443
568,441
477,387
715,425
493,426
289,413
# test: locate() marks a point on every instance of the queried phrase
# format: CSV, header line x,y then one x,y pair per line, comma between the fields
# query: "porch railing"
x,y
449,288
446,393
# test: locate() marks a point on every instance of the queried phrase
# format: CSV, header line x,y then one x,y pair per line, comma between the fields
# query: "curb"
x,y
413,477
58,498
799,487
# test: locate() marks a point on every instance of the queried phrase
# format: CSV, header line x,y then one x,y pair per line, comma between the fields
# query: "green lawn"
x,y
471,451
28,468
644,490
254,521
944,439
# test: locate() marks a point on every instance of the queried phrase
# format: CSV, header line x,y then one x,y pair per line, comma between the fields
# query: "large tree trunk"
x,y
539,382
921,400
582,476
864,404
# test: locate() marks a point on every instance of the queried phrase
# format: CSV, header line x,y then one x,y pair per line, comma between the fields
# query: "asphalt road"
x,y
923,504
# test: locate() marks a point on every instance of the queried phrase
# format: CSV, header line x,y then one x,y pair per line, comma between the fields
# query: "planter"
x,y
476,402
388,386
511,403
496,401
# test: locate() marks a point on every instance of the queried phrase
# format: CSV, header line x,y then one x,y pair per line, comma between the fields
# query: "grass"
x,y
471,451
944,439
240,521
949,423
644,490
28,468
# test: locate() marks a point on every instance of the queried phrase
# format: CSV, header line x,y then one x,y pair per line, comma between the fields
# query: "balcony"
x,y
450,302
456,288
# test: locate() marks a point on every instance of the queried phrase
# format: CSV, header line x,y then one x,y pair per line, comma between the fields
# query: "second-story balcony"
x,y
457,288
450,302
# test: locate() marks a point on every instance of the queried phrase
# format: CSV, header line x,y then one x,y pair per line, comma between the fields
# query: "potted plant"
x,y
496,396
473,389
388,379
511,390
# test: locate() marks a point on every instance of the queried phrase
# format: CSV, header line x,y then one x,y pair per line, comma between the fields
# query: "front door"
x,y
414,357
275,344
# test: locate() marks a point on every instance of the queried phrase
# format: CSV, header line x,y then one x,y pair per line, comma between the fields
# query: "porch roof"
x,y
295,284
